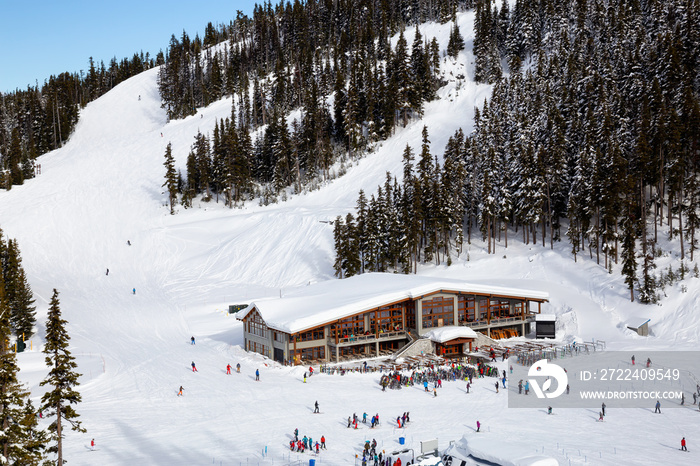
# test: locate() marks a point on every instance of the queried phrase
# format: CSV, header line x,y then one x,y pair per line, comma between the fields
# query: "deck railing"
x,y
372,337
497,321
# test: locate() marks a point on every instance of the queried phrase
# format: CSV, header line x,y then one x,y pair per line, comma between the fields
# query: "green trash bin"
x,y
21,346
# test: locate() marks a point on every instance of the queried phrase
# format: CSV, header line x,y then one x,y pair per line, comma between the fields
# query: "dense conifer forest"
x,y
330,61
591,136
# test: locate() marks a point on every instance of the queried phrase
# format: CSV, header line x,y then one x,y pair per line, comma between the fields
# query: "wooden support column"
x,y
295,349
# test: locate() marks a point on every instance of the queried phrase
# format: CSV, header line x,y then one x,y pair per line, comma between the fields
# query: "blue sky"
x,y
39,38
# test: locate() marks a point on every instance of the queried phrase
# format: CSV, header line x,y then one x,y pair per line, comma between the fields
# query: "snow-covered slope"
x,y
104,188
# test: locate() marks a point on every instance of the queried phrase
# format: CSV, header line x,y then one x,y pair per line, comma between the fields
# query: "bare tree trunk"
x,y
59,435
488,233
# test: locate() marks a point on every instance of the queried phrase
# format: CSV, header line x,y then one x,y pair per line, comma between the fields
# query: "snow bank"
x,y
488,447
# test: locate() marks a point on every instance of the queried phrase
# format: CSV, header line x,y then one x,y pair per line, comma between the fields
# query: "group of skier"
x,y
354,420
306,443
434,376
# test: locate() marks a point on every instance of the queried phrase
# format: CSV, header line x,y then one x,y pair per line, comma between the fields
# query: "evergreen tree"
x,y
170,177
22,312
61,380
456,41
20,442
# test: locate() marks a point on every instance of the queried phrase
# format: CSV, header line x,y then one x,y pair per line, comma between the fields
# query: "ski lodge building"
x,y
374,314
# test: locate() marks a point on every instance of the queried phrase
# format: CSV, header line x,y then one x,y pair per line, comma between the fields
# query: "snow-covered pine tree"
x,y
16,445
456,41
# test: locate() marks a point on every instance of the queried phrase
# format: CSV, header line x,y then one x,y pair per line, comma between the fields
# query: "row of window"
x,y
315,352
256,347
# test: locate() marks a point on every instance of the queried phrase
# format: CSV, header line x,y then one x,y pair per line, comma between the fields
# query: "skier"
x,y
683,447
633,359
434,391
107,272
520,387
194,368
468,385
682,399
695,398
349,421
496,387
549,410
648,362
603,411
425,385
323,442
180,392
658,407
238,367
478,426
304,377
296,435
128,242
567,388
257,374
192,341
600,416
228,369
398,421
92,443
316,407
133,291
527,386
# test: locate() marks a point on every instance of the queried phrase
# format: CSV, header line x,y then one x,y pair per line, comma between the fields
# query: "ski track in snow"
x,y
104,188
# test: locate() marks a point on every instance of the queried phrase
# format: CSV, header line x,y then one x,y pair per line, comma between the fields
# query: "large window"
x,y
315,352
352,350
257,326
465,309
410,314
353,325
499,308
386,319
315,334
257,348
438,311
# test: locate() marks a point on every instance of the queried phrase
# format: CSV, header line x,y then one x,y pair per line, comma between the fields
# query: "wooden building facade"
x,y
381,324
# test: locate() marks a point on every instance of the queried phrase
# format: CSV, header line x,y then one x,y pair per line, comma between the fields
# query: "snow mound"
x,y
488,447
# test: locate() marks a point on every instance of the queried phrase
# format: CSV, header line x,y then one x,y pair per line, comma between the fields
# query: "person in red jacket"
x,y
228,368
683,444
323,442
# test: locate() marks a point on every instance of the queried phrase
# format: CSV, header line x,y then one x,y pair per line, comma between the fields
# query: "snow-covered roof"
x,y
324,302
545,318
636,322
450,332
